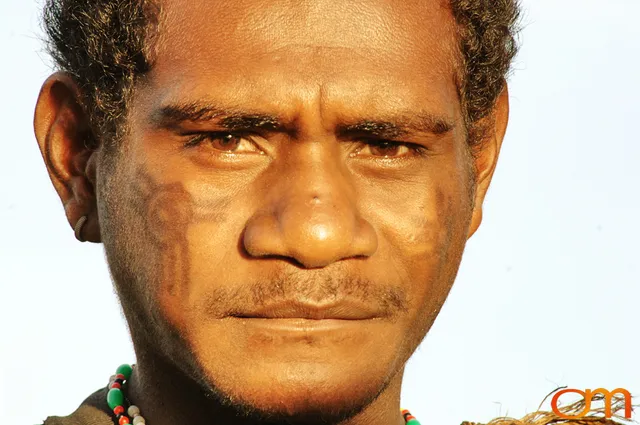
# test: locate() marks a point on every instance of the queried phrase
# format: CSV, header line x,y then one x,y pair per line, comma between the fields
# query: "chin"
x,y
295,372
296,393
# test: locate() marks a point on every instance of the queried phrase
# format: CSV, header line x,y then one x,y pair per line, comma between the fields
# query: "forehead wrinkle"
x,y
245,25
317,51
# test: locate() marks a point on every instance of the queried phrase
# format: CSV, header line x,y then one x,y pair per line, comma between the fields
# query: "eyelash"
x,y
416,150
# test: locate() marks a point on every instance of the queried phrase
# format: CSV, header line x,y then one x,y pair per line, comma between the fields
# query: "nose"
x,y
310,214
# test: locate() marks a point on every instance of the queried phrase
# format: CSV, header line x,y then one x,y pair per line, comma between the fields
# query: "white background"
x,y
547,293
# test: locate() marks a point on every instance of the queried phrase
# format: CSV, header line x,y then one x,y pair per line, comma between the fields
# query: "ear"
x,y
486,157
65,139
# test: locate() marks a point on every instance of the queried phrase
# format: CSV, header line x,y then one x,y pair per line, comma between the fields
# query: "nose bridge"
x,y
311,212
314,178
313,161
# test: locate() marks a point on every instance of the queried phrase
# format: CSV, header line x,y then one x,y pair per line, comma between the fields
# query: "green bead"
x,y
413,422
115,398
126,370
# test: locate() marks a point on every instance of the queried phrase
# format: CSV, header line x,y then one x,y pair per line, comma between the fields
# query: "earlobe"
x,y
486,158
62,130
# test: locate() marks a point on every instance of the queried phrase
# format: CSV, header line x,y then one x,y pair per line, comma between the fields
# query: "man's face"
x,y
257,192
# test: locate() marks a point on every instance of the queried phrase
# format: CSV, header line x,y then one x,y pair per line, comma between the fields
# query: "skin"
x,y
301,209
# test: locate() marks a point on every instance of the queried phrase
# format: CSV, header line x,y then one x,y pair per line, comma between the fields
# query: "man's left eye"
x,y
388,149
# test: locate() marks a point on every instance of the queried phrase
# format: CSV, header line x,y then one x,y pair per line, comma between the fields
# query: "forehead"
x,y
378,53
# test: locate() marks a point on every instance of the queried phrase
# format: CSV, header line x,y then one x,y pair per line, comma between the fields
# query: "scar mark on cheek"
x,y
440,199
167,212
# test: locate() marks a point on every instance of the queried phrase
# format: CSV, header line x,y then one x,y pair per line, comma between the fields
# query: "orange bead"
x,y
123,420
118,410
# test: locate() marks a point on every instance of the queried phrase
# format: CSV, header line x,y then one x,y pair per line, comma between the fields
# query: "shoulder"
x,y
92,411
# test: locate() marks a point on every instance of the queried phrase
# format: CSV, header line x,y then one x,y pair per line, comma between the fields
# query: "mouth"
x,y
343,310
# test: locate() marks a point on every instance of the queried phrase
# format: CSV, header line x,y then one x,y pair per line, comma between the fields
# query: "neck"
x,y
166,395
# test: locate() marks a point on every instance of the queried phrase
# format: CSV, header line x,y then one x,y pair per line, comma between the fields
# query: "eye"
x,y
223,142
390,149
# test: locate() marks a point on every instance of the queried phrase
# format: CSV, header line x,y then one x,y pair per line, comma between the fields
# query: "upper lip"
x,y
344,310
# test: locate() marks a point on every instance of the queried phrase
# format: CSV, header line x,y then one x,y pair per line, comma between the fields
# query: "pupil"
x,y
386,148
228,141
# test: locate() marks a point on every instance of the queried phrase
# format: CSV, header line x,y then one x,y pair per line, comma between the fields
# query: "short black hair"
x,y
106,45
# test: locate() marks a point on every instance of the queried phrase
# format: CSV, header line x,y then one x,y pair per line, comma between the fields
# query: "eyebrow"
x,y
233,119
398,127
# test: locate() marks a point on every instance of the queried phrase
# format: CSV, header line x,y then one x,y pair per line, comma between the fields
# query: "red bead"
x,y
116,385
124,420
407,416
120,376
118,410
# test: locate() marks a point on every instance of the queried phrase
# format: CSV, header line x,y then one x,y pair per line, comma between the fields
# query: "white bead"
x,y
133,410
138,420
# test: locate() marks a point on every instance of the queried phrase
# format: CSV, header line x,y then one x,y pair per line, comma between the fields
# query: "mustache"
x,y
309,287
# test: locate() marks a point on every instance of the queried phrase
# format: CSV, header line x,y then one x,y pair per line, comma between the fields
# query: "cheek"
x,y
427,227
149,226
418,226
423,238
199,240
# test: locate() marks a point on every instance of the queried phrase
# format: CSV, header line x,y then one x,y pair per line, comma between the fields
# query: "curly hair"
x,y
106,45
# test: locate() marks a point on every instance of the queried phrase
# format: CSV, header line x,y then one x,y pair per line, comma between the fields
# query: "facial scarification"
x,y
164,212
169,211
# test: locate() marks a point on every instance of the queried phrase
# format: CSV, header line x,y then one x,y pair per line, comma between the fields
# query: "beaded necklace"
x,y
116,401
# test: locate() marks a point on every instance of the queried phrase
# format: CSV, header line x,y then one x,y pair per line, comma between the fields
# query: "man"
x,y
284,190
